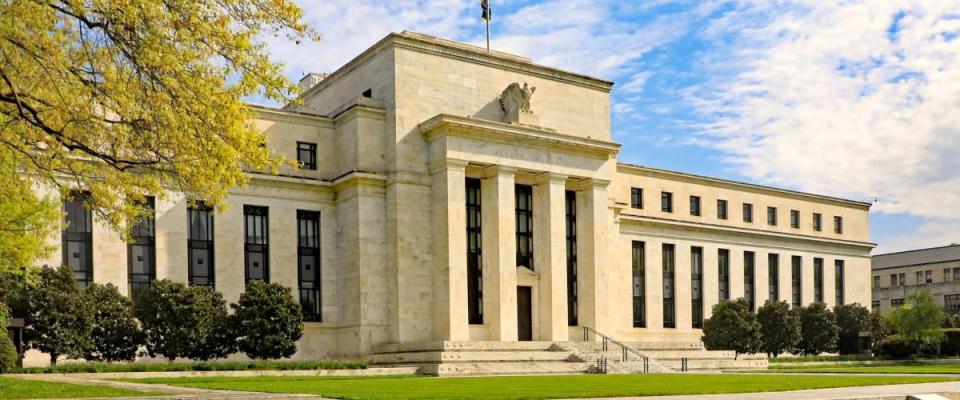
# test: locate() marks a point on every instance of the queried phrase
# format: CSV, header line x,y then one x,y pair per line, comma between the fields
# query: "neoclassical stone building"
x,y
451,194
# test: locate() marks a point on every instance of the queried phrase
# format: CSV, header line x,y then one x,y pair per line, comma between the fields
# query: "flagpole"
x,y
488,36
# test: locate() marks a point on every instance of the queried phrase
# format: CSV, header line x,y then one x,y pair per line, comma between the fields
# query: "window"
x,y
77,237
839,280
903,279
796,280
721,209
747,212
919,277
639,286
256,244
307,155
666,202
956,274
874,305
951,303
572,283
773,277
474,256
200,245
876,281
142,250
772,216
696,286
893,280
817,222
749,261
308,264
695,206
929,276
636,198
838,225
896,302
946,275
818,280
723,273
669,305
795,219
524,213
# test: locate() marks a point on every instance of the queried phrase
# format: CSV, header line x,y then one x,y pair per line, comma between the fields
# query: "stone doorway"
x,y
524,313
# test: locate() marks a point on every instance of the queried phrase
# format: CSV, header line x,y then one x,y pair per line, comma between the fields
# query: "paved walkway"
x,y
862,392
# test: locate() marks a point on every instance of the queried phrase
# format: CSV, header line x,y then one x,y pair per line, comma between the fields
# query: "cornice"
x,y
297,117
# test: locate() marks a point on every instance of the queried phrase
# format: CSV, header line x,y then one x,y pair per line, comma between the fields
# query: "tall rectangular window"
x,y
838,225
929,276
666,202
142,250
669,302
772,216
639,285
524,213
818,280
572,283
749,285
256,243
795,219
817,222
951,303
721,209
474,257
307,155
636,198
696,286
695,206
723,273
747,212
308,264
773,277
200,245
796,279
839,279
77,237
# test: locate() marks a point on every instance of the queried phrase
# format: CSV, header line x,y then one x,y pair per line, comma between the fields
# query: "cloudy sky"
x,y
853,99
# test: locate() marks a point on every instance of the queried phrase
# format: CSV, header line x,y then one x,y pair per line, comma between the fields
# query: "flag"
x,y
485,6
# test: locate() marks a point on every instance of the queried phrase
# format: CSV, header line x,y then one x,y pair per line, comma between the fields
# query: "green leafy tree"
x,y
268,321
779,327
880,329
918,320
732,327
182,321
59,319
8,350
851,320
116,333
818,329
15,290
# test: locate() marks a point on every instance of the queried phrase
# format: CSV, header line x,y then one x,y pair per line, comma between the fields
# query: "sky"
x,y
855,99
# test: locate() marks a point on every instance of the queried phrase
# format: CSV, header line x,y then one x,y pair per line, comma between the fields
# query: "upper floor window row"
x,y
307,155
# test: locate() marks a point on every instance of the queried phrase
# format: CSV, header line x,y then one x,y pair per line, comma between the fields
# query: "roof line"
x,y
914,250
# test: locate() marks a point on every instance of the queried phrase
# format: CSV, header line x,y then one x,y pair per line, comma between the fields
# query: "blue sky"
x,y
844,98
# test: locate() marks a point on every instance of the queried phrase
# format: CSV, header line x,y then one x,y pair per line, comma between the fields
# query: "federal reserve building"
x,y
464,210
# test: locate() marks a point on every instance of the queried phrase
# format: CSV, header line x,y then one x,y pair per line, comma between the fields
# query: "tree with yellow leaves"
x,y
124,99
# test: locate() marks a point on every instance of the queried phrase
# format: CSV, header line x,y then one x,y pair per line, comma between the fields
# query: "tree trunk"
x,y
53,359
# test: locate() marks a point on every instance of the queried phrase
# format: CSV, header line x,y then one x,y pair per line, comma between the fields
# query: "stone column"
x,y
499,254
549,252
594,235
449,251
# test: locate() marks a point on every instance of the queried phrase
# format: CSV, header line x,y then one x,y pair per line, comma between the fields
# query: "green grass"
x,y
194,366
11,388
902,368
533,387
847,357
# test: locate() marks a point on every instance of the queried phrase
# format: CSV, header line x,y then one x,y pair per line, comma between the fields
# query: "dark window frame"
x,y
666,202
78,228
523,196
773,277
818,280
695,206
474,251
308,247
669,286
143,236
748,212
696,286
570,205
839,281
795,219
749,279
198,241
796,280
721,209
771,216
723,274
636,198
307,155
256,218
817,222
951,303
639,284
838,225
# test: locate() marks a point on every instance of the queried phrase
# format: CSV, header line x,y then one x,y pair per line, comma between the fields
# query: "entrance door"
x,y
524,314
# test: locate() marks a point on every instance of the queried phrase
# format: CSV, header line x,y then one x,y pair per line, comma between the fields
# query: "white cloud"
x,y
846,98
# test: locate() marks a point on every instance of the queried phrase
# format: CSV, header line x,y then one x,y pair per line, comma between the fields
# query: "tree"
x,y
779,327
15,290
818,329
851,320
58,320
26,219
918,320
268,321
732,327
123,99
116,332
182,321
8,350
880,328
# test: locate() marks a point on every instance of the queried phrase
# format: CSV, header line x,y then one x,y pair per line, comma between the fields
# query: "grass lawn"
x,y
12,388
533,387
905,368
90,367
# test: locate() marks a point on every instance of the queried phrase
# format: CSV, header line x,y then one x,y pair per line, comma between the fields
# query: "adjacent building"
x,y
898,275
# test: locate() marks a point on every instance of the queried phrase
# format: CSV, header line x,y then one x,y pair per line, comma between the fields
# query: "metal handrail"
x,y
626,350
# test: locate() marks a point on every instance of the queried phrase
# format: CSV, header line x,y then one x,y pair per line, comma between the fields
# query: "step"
x,y
469,356
446,345
504,368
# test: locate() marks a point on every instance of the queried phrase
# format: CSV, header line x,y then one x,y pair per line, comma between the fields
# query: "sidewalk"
x,y
863,392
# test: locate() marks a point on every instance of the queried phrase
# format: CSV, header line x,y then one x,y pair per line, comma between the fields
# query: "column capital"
x,y
491,171
551,177
449,164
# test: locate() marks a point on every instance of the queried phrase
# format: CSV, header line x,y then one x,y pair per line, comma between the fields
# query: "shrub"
x,y
15,290
779,327
918,320
8,350
880,329
818,329
116,333
897,347
58,320
268,321
732,327
182,321
851,320
951,342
